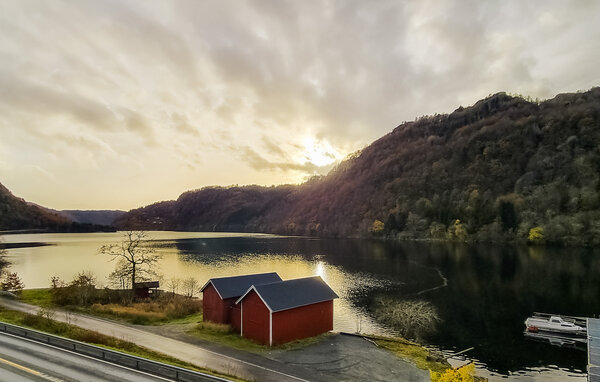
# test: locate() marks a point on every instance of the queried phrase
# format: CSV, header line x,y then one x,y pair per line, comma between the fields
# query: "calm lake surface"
x,y
482,294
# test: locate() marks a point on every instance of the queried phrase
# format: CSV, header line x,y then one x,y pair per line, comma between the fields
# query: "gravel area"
x,y
351,358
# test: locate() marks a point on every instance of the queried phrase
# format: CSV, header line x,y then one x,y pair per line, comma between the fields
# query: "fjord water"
x,y
482,294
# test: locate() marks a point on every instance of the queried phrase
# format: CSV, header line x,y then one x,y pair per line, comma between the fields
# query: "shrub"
x,y
462,374
12,283
536,235
412,318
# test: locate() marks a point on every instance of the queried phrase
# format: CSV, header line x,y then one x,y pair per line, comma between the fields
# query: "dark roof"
x,y
290,294
235,286
146,284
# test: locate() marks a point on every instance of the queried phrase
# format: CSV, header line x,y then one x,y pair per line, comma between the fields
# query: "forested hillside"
x,y
503,169
16,214
99,217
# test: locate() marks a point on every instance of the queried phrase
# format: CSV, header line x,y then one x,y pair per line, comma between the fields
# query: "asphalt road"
x,y
259,369
25,360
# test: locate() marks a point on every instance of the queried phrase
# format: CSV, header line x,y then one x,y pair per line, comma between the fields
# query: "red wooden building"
x,y
284,311
220,294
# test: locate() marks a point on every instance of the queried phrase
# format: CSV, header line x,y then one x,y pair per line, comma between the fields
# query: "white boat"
x,y
553,324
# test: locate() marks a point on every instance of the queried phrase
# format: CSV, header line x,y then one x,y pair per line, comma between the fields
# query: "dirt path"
x,y
262,369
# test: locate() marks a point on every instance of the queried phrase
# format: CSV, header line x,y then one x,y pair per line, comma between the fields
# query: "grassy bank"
x,y
225,335
412,352
174,311
44,323
40,297
164,310
439,369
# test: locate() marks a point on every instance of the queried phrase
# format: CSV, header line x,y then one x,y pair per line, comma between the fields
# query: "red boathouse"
x,y
219,296
284,311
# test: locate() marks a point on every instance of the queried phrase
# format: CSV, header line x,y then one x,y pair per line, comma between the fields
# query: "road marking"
x,y
116,365
75,317
30,371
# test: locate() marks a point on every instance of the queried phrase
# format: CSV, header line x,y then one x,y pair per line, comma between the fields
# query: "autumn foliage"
x,y
500,168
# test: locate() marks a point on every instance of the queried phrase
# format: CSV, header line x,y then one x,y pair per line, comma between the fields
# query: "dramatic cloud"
x,y
116,104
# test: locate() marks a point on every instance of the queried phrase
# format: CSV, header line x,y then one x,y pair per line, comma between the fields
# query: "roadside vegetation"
x,y
44,322
114,305
184,315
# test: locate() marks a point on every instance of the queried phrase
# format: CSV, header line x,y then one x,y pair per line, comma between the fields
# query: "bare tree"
x,y
413,318
138,257
173,285
57,282
190,286
121,276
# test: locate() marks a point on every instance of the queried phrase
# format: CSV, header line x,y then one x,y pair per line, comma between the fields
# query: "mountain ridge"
x,y
19,215
503,169
492,171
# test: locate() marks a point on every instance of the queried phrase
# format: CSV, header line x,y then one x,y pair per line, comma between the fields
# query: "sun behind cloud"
x,y
319,152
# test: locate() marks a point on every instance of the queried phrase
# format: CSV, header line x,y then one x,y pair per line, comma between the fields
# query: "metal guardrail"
x,y
130,361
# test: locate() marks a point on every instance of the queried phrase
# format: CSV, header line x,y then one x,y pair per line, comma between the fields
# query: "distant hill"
x,y
16,215
99,217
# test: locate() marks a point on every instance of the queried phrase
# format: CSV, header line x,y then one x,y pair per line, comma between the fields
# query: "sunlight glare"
x,y
320,270
319,152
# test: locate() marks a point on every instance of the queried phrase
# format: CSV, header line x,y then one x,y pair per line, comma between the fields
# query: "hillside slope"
x,y
99,217
490,172
18,215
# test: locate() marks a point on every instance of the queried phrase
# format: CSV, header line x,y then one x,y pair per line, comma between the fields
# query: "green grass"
x,y
40,297
225,335
46,324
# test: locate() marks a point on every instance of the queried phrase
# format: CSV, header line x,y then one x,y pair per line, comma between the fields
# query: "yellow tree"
x,y
462,374
377,227
536,235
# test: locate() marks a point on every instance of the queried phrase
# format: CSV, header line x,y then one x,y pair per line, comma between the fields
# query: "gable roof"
x,y
235,286
284,295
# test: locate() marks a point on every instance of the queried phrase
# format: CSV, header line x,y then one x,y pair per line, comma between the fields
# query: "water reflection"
x,y
481,294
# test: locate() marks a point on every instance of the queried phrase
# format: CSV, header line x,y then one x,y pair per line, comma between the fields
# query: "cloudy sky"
x,y
117,104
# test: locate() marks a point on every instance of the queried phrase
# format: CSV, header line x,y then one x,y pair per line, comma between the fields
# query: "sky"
x,y
119,104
